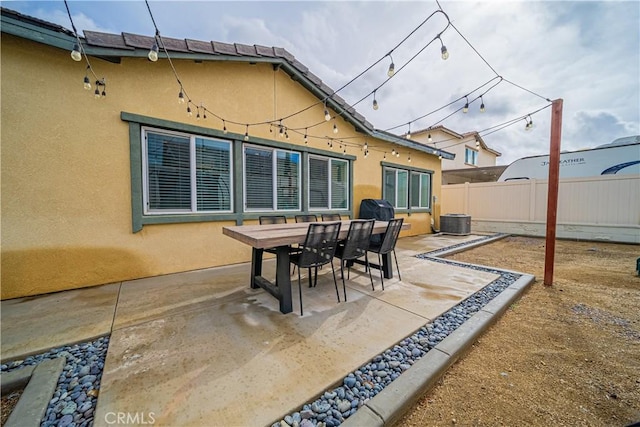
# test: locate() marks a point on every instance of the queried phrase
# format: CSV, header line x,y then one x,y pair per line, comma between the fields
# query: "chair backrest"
x,y
306,218
357,241
391,235
272,219
320,244
331,217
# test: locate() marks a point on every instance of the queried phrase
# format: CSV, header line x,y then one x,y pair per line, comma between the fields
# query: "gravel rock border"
x,y
74,400
336,405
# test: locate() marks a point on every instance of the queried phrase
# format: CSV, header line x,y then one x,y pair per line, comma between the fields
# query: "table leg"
x,y
256,266
283,279
387,266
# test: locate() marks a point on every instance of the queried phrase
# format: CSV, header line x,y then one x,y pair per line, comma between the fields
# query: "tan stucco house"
x,y
126,185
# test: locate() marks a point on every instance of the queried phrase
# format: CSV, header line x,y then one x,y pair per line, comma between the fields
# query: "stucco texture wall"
x,y
65,180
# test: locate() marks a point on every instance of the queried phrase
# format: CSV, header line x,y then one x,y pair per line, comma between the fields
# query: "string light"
x,y
181,96
392,67
76,55
429,138
375,102
409,158
393,152
409,132
153,52
224,127
246,134
335,128
197,113
443,49
384,157
100,93
482,109
397,154
189,112
327,116
306,139
465,109
87,82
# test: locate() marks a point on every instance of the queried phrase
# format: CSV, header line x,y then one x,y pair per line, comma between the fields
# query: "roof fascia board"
x,y
412,145
36,34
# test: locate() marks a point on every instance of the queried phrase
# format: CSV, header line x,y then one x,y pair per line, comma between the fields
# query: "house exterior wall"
x,y
66,169
453,144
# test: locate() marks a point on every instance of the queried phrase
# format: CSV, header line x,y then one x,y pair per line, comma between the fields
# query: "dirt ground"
x,y
565,355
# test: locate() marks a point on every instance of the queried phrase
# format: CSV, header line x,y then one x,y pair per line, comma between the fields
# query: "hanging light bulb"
x,y
409,132
246,134
224,127
392,68
375,102
281,133
87,83
198,113
76,55
366,146
344,151
96,92
465,109
481,105
409,159
204,113
335,128
393,152
445,52
384,157
440,157
153,52
189,112
306,139
327,116
429,138
181,97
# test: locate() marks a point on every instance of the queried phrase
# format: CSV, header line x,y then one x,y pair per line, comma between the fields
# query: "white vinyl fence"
x,y
595,208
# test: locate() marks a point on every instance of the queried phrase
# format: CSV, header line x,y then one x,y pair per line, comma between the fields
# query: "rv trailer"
x,y
620,157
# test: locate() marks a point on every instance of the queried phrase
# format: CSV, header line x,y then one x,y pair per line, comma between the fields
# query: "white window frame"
x,y
330,161
421,189
473,153
384,186
192,173
274,166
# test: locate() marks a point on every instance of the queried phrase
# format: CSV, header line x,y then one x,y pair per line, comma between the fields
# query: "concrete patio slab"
x,y
35,324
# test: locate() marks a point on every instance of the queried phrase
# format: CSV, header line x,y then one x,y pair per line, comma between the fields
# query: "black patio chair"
x,y
272,219
317,250
331,217
307,218
355,246
388,244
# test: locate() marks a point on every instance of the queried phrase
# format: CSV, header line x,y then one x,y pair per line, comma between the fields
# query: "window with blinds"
x,y
271,179
186,174
328,183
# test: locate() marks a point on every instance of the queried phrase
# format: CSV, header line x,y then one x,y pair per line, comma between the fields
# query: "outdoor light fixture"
x,y
429,138
440,157
409,133
393,152
481,104
392,68
189,112
375,102
327,116
99,93
246,134
181,97
335,128
87,83
366,146
153,52
409,159
76,55
306,139
224,127
465,109
443,50
397,154
384,157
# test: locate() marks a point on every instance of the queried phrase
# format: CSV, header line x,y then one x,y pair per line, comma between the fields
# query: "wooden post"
x,y
552,193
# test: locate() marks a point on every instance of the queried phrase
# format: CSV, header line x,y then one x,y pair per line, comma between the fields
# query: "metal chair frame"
x,y
388,244
307,218
355,246
318,249
331,217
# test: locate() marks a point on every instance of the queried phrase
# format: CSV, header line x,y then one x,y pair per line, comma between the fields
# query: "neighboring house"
x,y
126,186
474,161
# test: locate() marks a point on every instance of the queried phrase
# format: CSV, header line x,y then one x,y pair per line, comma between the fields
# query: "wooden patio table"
x,y
280,237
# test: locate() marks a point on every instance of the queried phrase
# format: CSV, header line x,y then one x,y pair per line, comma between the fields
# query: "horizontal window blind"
x,y
168,169
213,175
318,183
258,165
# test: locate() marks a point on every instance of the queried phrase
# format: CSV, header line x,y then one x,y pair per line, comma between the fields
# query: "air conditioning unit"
x,y
458,224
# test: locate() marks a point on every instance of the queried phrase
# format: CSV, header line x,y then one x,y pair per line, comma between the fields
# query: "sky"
x,y
586,53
